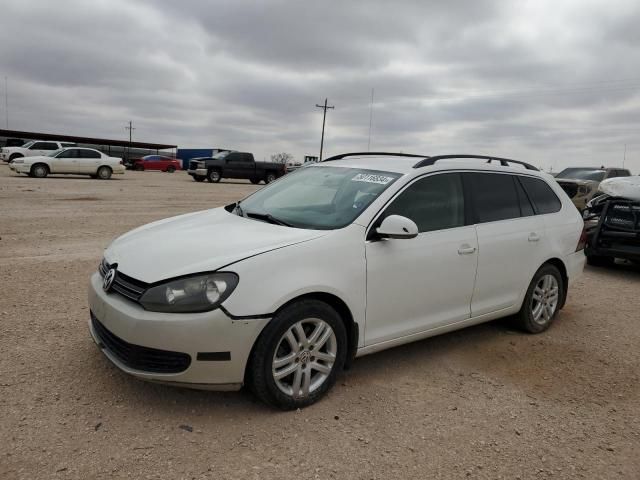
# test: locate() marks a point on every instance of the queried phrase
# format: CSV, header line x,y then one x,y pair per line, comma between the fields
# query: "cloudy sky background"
x,y
553,83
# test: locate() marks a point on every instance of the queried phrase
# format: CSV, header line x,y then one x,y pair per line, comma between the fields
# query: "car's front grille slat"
x,y
123,284
137,357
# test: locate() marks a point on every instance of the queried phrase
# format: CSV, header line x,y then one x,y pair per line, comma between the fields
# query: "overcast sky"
x,y
547,81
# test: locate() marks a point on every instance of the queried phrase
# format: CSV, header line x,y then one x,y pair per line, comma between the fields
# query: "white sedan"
x,y
75,161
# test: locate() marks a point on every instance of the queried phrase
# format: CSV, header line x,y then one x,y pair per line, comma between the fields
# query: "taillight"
x,y
583,240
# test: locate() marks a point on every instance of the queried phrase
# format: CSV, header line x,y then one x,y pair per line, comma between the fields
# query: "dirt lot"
x,y
485,402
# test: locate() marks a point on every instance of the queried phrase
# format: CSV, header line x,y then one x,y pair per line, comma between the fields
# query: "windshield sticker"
x,y
370,178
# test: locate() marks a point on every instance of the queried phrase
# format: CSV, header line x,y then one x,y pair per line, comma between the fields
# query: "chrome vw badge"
x,y
108,279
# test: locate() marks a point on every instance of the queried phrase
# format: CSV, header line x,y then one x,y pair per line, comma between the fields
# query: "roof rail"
x,y
354,154
503,161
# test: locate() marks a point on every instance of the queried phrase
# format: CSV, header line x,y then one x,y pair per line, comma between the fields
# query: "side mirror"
x,y
397,226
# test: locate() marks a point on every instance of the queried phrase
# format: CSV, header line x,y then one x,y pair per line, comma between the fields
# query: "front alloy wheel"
x,y
298,355
304,357
214,176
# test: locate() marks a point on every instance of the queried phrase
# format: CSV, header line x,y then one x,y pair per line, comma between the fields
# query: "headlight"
x,y
199,293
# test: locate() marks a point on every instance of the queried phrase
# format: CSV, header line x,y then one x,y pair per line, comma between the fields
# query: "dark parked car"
x,y
613,230
234,165
157,162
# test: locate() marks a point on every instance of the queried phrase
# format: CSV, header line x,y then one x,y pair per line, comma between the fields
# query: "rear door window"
x,y
543,197
494,196
435,202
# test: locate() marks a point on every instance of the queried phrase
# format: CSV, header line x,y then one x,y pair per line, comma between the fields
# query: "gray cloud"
x,y
552,83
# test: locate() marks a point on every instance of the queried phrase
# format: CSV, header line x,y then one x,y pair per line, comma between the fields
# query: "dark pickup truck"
x,y
234,165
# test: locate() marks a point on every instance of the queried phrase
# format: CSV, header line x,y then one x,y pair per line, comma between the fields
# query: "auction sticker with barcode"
x,y
371,178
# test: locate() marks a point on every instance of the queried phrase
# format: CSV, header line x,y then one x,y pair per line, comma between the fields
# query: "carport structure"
x,y
117,148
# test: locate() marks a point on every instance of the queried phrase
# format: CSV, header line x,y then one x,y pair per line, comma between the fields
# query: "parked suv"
x,y
581,184
340,259
32,149
231,164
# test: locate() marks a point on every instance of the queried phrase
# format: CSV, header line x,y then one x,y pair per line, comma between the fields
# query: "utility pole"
x,y
6,100
131,129
324,118
624,157
370,121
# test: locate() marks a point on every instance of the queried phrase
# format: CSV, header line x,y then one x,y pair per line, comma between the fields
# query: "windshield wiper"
x,y
267,217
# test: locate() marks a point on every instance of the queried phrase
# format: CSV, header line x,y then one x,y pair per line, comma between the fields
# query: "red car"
x,y
157,162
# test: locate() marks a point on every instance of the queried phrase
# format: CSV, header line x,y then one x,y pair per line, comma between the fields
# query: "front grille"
x,y
193,165
623,216
123,284
137,357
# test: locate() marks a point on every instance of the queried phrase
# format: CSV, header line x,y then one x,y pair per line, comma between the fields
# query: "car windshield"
x,y
582,174
28,144
321,198
55,152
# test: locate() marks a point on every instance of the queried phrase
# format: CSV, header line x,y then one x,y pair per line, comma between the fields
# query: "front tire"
x,y
39,170
542,300
171,169
104,173
14,156
214,176
298,355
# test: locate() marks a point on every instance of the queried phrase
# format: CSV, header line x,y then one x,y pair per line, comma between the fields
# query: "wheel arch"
x,y
45,164
351,326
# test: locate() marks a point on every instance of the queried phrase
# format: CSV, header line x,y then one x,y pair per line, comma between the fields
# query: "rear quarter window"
x,y
541,195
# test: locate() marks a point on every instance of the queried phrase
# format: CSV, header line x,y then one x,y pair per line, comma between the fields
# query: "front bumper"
x,y
20,167
195,334
198,172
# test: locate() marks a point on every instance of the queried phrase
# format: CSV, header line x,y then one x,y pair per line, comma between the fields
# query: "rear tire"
x,y
214,176
308,340
199,179
171,169
39,170
138,168
255,181
542,300
271,177
104,173
600,261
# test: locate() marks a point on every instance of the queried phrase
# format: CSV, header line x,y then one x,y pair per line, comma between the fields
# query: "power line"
x,y
324,118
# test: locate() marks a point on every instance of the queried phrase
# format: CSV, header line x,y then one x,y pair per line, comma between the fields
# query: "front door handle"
x,y
466,249
534,237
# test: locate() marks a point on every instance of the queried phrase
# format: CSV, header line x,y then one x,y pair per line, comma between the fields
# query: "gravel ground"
x,y
485,402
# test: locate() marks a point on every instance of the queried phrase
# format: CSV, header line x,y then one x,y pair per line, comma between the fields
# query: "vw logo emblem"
x,y
108,279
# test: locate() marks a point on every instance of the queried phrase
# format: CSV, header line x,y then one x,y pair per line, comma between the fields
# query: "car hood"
x,y
198,242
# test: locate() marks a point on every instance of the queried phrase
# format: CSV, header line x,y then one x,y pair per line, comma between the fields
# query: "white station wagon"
x,y
356,254
74,161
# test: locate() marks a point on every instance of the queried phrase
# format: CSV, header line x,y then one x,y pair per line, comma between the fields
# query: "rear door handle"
x,y
466,249
534,237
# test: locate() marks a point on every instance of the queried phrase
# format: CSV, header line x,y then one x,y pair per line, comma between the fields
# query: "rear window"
x,y
494,196
543,198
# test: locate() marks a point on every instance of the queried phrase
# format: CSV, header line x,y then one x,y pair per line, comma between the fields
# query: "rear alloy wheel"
x,y
104,173
298,355
214,176
271,177
39,170
171,169
541,302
